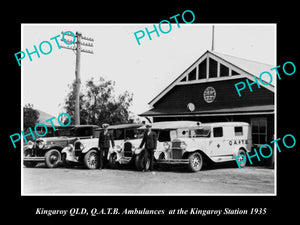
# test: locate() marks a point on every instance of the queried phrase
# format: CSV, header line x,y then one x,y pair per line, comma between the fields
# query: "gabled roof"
x,y
246,68
250,66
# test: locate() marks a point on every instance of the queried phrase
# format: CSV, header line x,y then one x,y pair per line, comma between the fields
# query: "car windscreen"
x,y
122,134
96,133
133,133
82,131
42,131
201,132
63,132
164,135
75,132
189,133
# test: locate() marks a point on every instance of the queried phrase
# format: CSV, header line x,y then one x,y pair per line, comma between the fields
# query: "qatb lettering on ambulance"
x,y
262,81
242,158
18,136
42,47
141,34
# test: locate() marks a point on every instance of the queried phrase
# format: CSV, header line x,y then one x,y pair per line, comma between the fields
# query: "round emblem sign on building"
x,y
209,94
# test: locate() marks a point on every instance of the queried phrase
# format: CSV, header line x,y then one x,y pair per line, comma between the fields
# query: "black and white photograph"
x,y
143,109
132,113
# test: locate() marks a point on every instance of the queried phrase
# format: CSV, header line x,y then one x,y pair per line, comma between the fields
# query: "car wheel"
x,y
139,161
112,160
195,162
52,158
91,160
240,158
29,164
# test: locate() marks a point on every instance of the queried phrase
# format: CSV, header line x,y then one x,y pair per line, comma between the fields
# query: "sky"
x,y
144,70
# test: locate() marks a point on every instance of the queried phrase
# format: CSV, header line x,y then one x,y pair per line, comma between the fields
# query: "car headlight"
x,y
78,145
118,148
133,148
70,147
183,145
81,147
166,145
30,144
138,151
41,144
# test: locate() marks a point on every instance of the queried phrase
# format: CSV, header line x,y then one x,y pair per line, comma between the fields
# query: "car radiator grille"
x,y
176,153
77,145
127,149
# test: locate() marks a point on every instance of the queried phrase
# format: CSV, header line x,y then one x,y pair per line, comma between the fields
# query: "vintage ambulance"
x,y
191,143
127,138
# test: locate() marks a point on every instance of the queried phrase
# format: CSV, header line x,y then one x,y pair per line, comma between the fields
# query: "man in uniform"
x,y
103,145
150,141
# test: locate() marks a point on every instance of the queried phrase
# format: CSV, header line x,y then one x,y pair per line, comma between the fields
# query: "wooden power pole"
x,y
76,46
213,39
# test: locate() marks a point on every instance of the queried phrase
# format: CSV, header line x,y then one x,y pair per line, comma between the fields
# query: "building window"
x,y
224,71
233,73
238,131
259,130
213,68
218,131
202,70
192,75
183,79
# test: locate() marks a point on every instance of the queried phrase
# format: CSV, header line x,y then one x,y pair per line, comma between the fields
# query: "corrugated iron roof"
x,y
250,66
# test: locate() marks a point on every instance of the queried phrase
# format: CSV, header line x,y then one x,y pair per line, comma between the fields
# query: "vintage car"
x,y
190,142
127,138
48,149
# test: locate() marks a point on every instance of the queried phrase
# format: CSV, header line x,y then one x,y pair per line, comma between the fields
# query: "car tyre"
x,y
242,152
29,164
112,161
91,160
195,162
52,158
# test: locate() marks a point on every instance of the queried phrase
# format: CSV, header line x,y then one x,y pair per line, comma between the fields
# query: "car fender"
x,y
66,150
138,151
85,150
158,153
187,153
70,153
236,150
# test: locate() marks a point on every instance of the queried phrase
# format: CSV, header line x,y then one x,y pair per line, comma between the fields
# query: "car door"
x,y
218,145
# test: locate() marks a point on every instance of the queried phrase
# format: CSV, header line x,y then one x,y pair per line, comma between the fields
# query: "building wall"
x,y
177,99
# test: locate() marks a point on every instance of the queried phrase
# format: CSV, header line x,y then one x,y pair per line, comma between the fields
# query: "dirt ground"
x,y
173,180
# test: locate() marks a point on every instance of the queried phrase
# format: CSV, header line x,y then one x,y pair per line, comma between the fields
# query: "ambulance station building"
x,y
206,92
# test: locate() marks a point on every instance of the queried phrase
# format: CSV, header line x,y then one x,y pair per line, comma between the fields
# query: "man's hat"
x,y
105,125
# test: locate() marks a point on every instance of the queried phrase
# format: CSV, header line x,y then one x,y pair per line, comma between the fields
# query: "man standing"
x,y
103,145
150,141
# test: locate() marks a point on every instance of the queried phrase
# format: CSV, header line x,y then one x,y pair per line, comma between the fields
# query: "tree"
x,y
99,104
30,116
